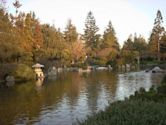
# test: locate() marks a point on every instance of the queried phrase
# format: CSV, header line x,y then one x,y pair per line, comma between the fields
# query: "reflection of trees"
x,y
24,101
95,81
73,87
130,82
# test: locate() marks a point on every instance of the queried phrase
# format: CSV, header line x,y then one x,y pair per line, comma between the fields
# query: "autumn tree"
x,y
51,41
55,47
155,37
9,43
140,46
128,52
78,52
109,48
163,47
70,33
129,44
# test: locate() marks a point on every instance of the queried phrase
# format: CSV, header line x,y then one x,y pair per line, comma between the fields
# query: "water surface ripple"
x,y
71,97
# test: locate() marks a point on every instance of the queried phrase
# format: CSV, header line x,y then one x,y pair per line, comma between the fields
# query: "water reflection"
x,y
10,83
70,97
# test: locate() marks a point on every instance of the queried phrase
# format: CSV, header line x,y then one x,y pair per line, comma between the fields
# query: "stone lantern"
x,y
38,70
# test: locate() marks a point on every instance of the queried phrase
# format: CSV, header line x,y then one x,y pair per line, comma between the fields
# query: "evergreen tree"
x,y
163,46
55,46
90,36
110,46
157,32
109,37
129,44
70,34
140,45
128,53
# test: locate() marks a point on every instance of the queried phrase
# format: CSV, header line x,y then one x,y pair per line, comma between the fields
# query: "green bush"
x,y
164,80
162,89
143,108
99,61
130,112
23,73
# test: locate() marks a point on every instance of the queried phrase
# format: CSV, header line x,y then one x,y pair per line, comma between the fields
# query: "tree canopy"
x,y
24,39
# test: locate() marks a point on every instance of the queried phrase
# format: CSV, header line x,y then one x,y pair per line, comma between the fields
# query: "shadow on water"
x,y
69,97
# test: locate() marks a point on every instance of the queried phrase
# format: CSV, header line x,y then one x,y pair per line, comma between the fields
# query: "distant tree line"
x,y
23,39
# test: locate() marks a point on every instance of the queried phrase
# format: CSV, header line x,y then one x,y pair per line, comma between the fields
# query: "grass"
x,y
143,108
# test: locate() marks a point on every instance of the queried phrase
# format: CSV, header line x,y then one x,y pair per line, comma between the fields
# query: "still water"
x,y
68,98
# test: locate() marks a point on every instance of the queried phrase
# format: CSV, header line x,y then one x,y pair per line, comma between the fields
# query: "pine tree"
x,y
90,36
129,44
163,46
54,43
70,34
128,53
109,37
110,46
157,32
140,45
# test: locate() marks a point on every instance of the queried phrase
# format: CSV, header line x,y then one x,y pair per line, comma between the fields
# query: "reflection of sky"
x,y
130,82
95,97
71,97
64,113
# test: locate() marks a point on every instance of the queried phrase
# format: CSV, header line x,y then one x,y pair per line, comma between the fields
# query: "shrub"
x,y
164,80
130,112
143,108
23,73
141,90
162,89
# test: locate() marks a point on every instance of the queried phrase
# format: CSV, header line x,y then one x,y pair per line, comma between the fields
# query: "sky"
x,y
127,16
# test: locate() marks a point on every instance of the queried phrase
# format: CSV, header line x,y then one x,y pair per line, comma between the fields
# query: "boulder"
x,y
156,69
10,80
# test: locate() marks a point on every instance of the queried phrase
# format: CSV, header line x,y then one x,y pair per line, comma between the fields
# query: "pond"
x,y
70,97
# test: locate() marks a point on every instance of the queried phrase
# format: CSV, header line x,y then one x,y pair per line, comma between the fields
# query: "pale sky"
x,y
127,16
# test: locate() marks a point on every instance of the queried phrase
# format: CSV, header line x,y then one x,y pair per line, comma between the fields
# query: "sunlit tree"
x,y
140,45
155,37
9,43
70,33
90,31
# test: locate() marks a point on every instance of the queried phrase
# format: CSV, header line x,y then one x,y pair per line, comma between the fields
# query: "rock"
x,y
101,68
10,80
156,69
52,71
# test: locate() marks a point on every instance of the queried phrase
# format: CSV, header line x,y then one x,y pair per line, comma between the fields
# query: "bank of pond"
x,y
18,73
142,108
